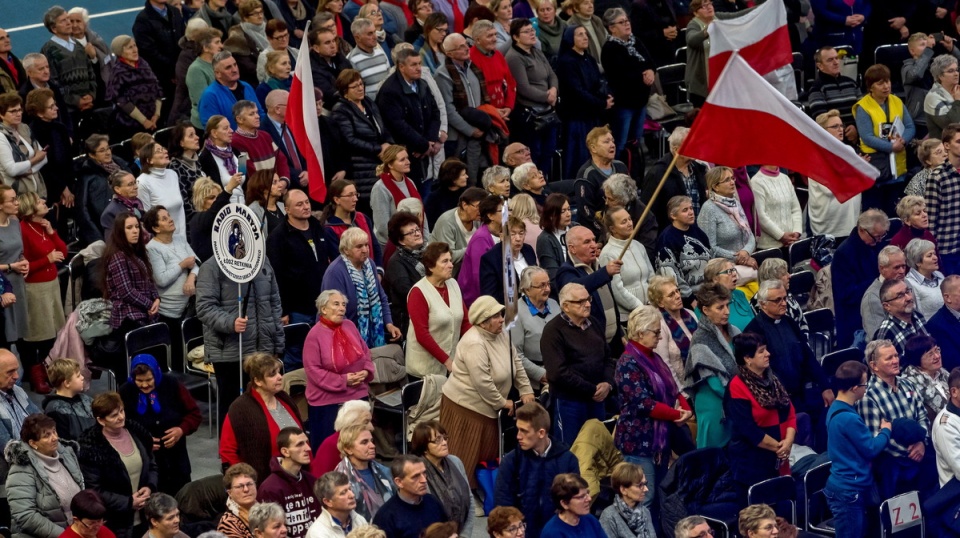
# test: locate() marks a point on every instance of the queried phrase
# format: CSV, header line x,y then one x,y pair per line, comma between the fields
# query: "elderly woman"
x,y
924,276
528,325
125,190
208,199
457,226
683,249
240,481
758,521
777,269
257,416
248,39
43,249
583,15
492,264
405,267
931,154
392,186
621,190
341,213
628,516
552,243
912,210
698,49
941,106
134,88
585,92
485,368
825,213
711,364
875,114
571,497
43,478
529,181
531,122
111,455
184,149
446,476
51,133
760,416
481,242
676,326
496,181
20,154
354,275
268,520
159,185
723,220
923,367
278,70
165,408
327,455
127,280
629,68
370,481
337,363
724,272
94,191
506,521
777,208
88,513
451,182
549,28
650,401
630,285
163,517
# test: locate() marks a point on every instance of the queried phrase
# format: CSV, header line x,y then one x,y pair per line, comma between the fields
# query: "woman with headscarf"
x,y
165,408
583,15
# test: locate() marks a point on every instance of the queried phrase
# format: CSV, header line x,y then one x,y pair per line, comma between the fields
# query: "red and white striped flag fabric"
x,y
301,118
756,124
760,35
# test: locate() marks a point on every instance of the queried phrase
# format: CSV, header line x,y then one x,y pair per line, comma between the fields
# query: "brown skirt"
x,y
472,437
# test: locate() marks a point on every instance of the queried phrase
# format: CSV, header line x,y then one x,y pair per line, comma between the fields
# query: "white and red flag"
x,y
762,38
747,121
301,119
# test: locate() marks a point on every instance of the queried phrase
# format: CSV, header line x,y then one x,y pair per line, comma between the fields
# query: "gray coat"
x,y
34,505
726,237
217,308
459,127
616,527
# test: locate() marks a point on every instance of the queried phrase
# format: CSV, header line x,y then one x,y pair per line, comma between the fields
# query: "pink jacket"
x,y
325,385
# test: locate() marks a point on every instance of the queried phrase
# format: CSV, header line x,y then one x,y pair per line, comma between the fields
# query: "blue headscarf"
x,y
566,41
151,400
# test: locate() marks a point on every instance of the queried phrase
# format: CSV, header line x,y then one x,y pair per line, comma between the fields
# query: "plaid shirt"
x,y
943,207
885,402
131,291
898,332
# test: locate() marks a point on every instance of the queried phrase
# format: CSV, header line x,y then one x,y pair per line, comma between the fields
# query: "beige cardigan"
x,y
480,380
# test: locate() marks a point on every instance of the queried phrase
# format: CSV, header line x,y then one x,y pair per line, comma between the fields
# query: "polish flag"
x,y
756,124
760,35
302,120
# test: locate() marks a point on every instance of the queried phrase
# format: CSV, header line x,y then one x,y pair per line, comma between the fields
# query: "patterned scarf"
x,y
630,44
767,389
370,498
369,307
662,383
109,167
225,154
460,98
732,207
414,256
133,205
346,350
680,337
635,518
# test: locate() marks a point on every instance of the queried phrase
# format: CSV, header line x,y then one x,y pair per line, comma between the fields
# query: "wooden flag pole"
x,y
646,210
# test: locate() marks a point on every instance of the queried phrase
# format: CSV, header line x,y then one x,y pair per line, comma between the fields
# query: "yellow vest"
x,y
878,116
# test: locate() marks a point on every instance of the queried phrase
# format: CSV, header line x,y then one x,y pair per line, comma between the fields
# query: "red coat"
x,y
37,244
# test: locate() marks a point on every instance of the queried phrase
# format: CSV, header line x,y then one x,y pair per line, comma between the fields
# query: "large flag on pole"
x,y
302,120
760,126
762,39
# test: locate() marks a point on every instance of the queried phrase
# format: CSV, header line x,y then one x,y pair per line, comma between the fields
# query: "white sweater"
x,y
162,187
777,207
169,276
630,286
827,215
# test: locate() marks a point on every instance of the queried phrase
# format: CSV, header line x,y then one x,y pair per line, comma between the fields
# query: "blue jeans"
x,y
293,355
569,416
321,418
653,473
627,125
848,508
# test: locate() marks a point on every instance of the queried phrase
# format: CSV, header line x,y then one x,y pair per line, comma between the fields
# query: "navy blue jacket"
x,y
945,328
491,270
854,269
569,273
411,117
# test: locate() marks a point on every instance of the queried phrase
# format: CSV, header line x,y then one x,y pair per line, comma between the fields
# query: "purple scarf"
x,y
225,154
676,332
661,380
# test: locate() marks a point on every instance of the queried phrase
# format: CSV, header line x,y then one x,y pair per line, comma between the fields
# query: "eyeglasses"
x,y
899,296
837,127
875,238
14,111
527,31
583,496
94,523
540,286
704,534
619,22
731,271
245,486
934,351
951,70
643,484
581,302
861,385
415,231
519,527
777,300
351,195
657,333
278,37
439,439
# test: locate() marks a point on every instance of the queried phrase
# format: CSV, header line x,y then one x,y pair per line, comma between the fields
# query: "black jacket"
x,y
648,19
200,227
157,39
93,197
583,88
363,134
625,74
64,113
299,267
412,117
672,187
398,279
103,472
325,75
491,271
58,172
180,110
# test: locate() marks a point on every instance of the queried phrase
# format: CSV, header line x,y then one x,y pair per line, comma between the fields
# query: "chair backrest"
x,y
767,254
191,336
893,57
815,510
780,493
799,252
409,397
831,361
800,285
295,334
902,516
822,330
681,55
77,265
148,338
719,528
671,80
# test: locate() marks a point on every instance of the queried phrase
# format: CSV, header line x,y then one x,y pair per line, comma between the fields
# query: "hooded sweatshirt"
x,y
294,494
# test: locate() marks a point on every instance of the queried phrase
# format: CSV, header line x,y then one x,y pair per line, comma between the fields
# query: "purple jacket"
x,y
469,277
325,384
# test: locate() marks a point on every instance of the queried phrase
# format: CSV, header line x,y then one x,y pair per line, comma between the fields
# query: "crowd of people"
x,y
639,302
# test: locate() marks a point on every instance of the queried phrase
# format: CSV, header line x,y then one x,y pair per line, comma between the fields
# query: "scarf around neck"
x,y
629,44
732,207
225,154
767,389
395,191
109,167
635,518
662,383
257,32
676,332
414,256
346,349
369,307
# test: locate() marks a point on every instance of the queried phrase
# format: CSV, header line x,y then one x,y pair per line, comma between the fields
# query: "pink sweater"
x,y
325,385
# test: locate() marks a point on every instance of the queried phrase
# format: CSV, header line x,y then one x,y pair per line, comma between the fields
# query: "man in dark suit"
x,y
944,326
37,69
411,113
491,263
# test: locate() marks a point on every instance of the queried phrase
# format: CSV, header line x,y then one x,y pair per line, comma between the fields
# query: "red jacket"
x,y
501,86
248,448
37,244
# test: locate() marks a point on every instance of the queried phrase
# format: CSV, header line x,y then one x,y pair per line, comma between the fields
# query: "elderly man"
x,y
339,516
944,326
579,364
69,65
368,57
501,86
157,30
262,152
326,63
582,268
37,68
276,127
854,269
15,405
903,320
516,154
892,264
904,464
692,527
12,74
528,179
221,95
412,509
831,89
688,178
200,73
943,202
464,90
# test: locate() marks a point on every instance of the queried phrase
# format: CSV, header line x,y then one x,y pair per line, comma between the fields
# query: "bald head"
x,y
516,154
9,366
582,245
950,288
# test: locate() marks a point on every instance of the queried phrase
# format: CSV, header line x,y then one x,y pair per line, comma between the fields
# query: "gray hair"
x,y
325,297
481,26
350,238
494,174
883,258
673,204
873,346
687,524
395,53
677,137
916,249
50,17
411,205
521,175
360,24
194,25
262,514
401,55
872,218
82,11
241,106
221,56
940,64
643,318
326,486
772,269
212,534
30,60
119,43
159,505
621,187
714,266
568,290
526,277
611,15
350,413
766,286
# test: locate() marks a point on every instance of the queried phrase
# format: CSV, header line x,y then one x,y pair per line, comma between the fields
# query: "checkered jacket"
x,y
943,207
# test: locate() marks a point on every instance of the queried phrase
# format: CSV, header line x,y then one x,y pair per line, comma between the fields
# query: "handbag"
x,y
658,108
543,119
